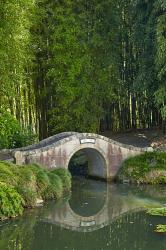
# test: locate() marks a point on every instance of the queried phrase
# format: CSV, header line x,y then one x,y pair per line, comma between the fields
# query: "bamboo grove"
x,y
83,65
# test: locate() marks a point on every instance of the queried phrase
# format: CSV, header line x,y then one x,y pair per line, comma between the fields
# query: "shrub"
x,y
42,179
6,174
24,184
11,203
9,126
24,137
146,168
65,177
22,179
55,187
11,133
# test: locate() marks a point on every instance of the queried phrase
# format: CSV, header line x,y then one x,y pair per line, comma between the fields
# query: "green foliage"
x,y
11,134
80,70
26,185
82,66
25,137
16,56
9,128
161,56
42,179
103,72
146,168
157,211
161,229
29,183
11,234
6,174
55,187
65,177
22,179
161,100
11,203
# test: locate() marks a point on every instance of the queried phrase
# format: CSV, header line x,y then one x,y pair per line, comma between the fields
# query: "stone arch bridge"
x,y
104,155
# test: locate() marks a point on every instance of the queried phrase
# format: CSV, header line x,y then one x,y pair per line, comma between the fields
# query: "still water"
x,y
97,216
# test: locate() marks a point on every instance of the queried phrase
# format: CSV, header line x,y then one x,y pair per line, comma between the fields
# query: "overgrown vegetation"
x,y
146,168
11,133
11,202
65,177
83,65
21,186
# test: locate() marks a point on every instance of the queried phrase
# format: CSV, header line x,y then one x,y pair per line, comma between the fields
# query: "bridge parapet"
x,y
105,155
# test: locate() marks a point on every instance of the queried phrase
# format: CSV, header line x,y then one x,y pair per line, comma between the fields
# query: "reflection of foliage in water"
x,y
157,192
128,231
78,165
19,233
15,232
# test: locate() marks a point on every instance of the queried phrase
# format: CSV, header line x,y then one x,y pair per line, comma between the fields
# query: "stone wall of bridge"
x,y
105,155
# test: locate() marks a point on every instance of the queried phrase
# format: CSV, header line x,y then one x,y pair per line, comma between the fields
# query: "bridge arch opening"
x,y
88,197
88,162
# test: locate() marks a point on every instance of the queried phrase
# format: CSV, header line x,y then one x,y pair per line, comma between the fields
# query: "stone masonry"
x,y
105,155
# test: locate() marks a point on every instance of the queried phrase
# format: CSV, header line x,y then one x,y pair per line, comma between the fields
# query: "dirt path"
x,y
140,138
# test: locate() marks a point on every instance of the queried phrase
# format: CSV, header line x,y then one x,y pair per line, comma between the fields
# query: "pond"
x,y
97,216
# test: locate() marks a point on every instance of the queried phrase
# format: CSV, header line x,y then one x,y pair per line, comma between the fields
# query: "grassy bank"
x,y
148,168
24,186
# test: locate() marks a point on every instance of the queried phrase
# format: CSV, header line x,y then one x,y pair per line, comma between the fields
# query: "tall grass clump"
x,y
147,168
42,178
6,174
55,187
22,186
65,177
26,185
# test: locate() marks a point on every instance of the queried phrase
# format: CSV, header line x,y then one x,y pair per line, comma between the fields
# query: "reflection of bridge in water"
x,y
115,206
